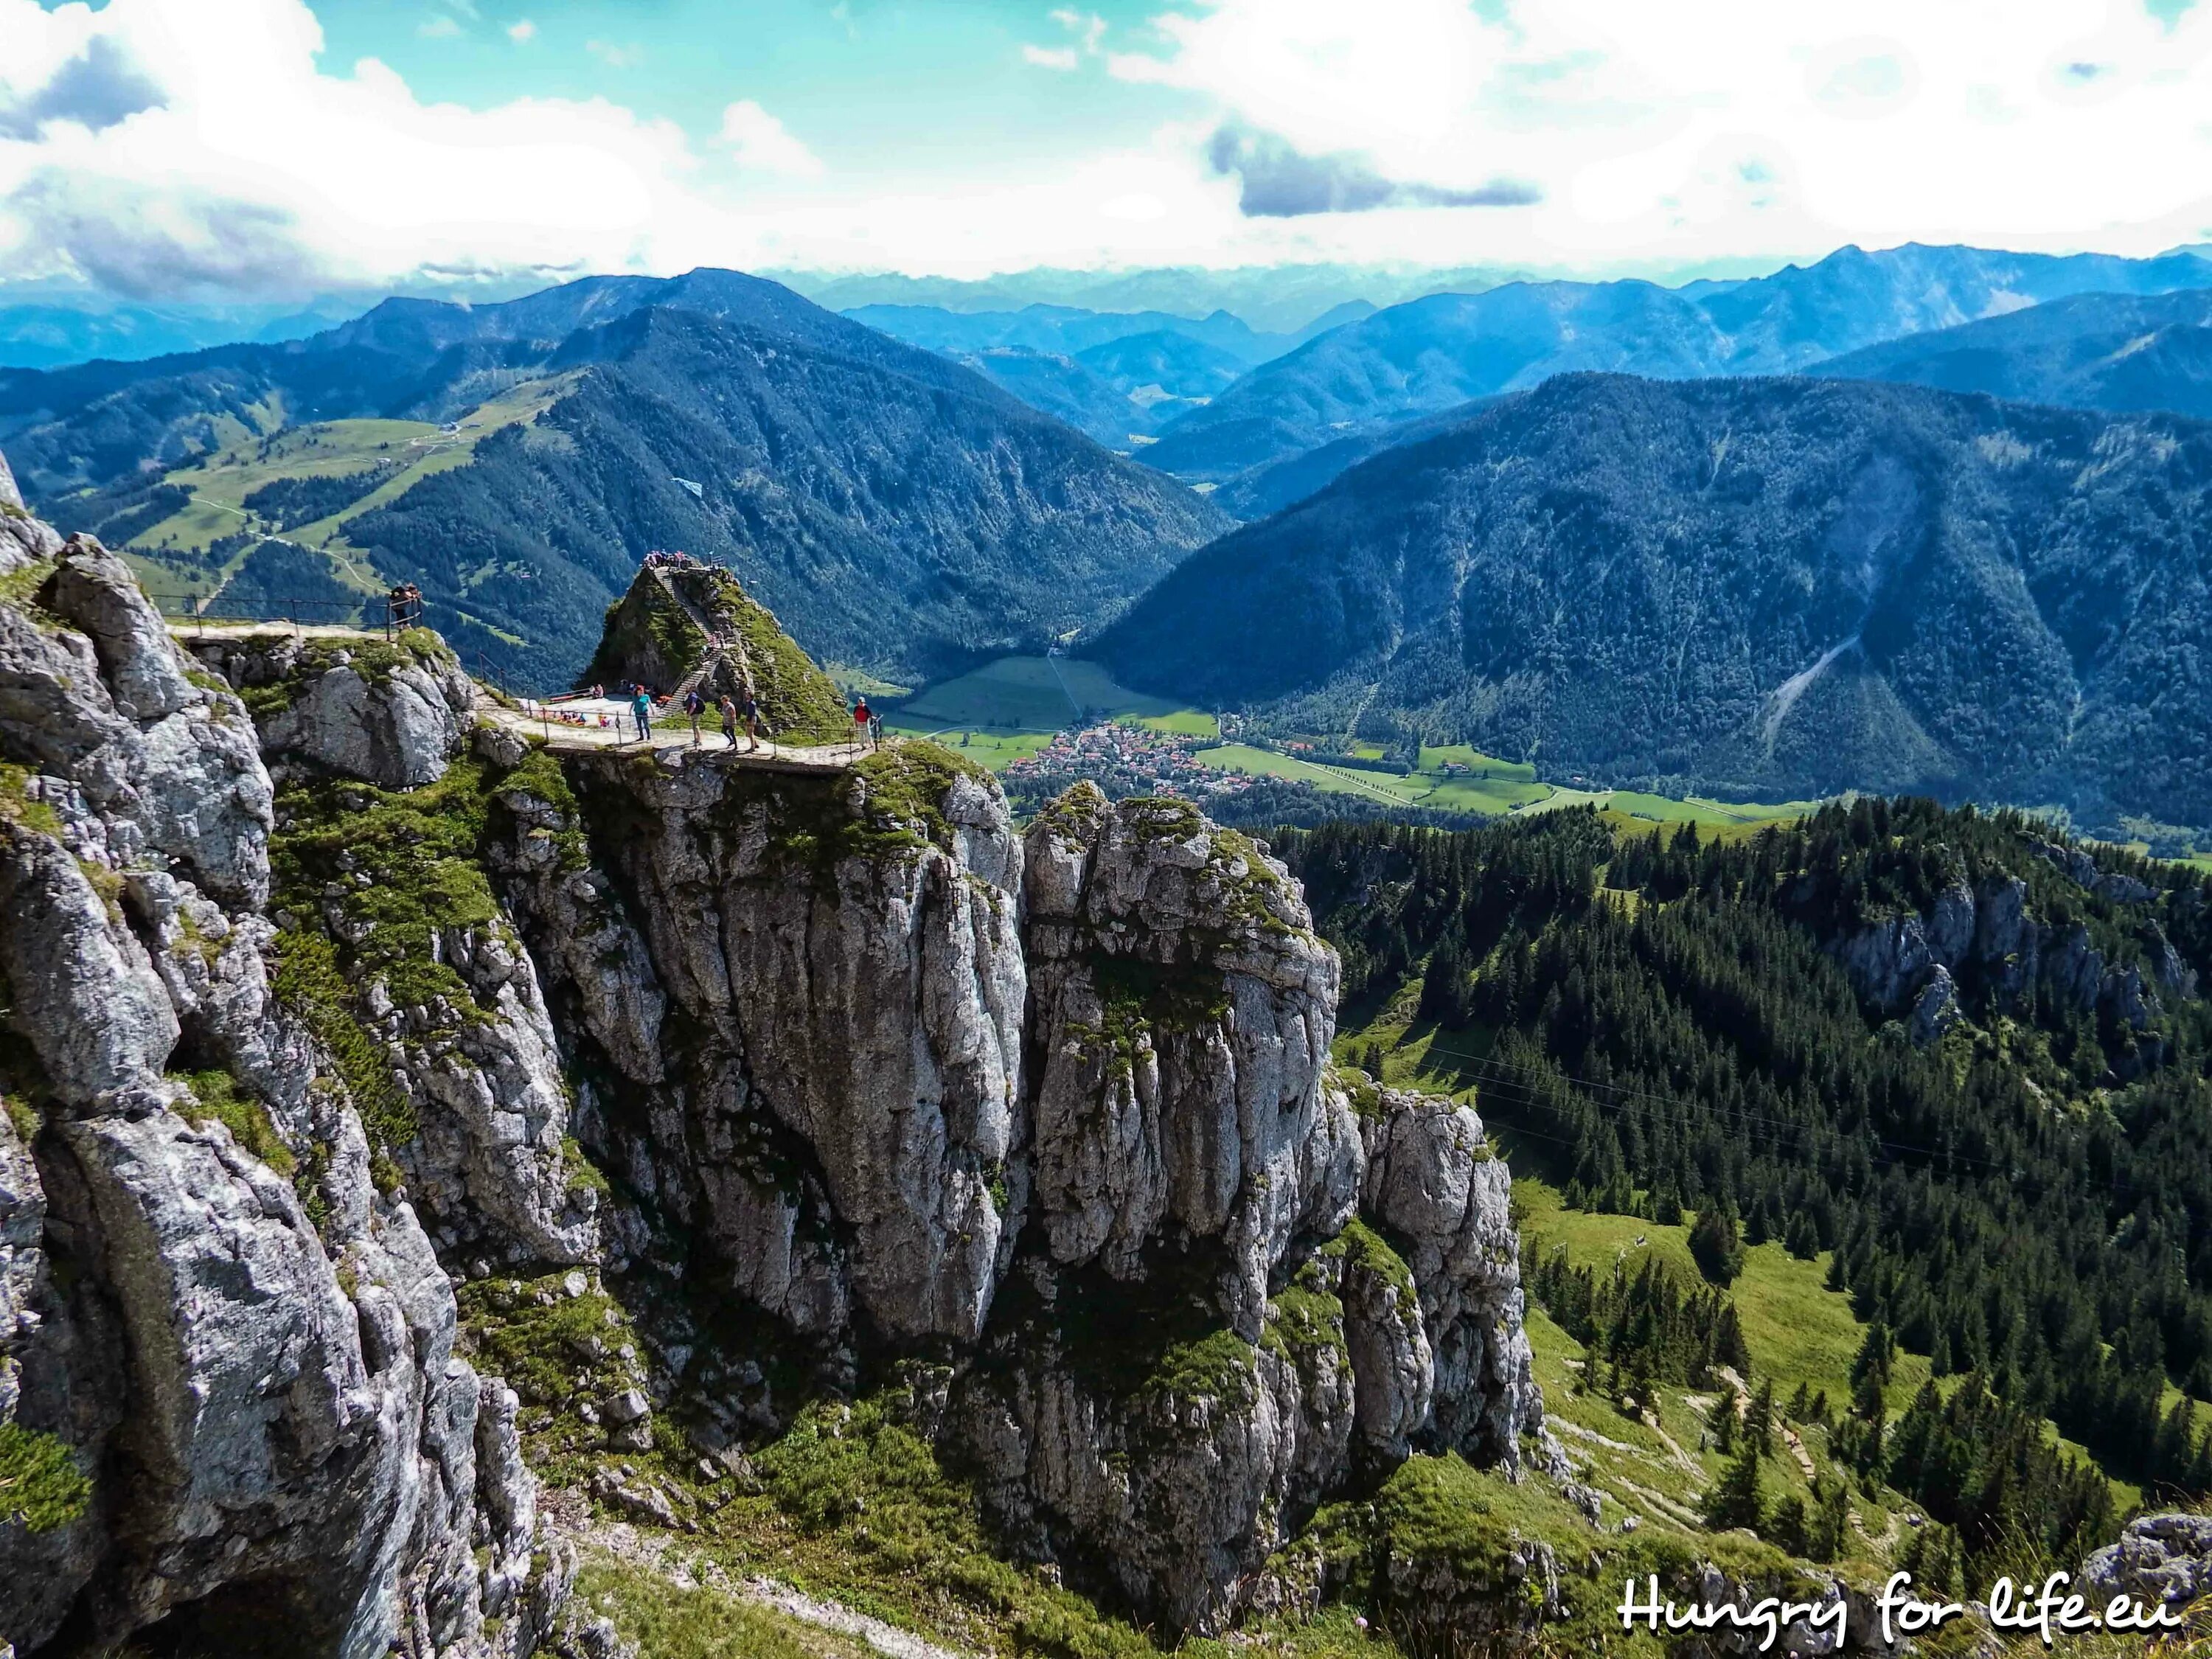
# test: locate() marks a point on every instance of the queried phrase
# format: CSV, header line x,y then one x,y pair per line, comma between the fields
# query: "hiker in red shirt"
x,y
860,723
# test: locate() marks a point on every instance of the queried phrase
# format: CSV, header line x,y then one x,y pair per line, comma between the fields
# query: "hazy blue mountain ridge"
x,y
1432,354
2121,352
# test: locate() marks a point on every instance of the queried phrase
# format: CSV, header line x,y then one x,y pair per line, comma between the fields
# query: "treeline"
x,y
1667,1014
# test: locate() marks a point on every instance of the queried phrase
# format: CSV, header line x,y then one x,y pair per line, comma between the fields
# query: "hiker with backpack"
x,y
695,706
641,708
750,709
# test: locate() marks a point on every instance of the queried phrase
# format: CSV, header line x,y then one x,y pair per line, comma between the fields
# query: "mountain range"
x,y
1434,353
2112,351
1116,375
900,512
1768,585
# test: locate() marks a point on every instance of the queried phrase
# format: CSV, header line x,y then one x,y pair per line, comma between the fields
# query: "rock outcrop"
x,y
390,713
227,1356
1432,1181
831,1070
2158,1560
1985,944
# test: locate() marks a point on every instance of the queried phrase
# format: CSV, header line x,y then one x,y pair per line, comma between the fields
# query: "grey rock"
x,y
1950,927
23,539
1888,960
1180,1492
506,1496
397,729
307,1455
1182,1008
86,996
492,1109
95,590
1935,1010
849,1122
1432,1181
2003,930
627,1406
2162,1560
1393,1368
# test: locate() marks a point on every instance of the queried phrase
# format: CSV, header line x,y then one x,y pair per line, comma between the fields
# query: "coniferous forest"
x,y
2021,1190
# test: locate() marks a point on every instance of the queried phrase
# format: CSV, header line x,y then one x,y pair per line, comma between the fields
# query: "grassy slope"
x,y
1797,1330
220,482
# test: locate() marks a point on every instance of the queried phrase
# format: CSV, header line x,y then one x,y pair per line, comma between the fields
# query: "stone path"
x,y
671,738
671,734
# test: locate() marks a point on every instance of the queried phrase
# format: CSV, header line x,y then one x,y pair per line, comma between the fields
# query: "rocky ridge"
x,y
345,1039
1986,944
230,1360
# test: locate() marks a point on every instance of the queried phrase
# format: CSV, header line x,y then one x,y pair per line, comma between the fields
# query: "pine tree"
x,y
1832,1506
1735,1499
1725,1425
1715,1244
1876,1356
1761,1421
1786,1529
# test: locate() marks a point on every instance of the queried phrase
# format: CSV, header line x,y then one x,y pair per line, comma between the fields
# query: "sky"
x,y
243,149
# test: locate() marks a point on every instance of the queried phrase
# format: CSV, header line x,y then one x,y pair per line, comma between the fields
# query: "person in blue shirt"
x,y
641,707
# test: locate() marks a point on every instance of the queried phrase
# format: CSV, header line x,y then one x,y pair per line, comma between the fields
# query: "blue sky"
x,y
253,148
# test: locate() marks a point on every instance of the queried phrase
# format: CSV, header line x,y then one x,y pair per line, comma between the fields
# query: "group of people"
x,y
741,710
658,560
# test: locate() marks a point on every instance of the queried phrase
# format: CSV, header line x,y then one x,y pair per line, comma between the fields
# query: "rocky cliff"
x,y
235,1417
393,1105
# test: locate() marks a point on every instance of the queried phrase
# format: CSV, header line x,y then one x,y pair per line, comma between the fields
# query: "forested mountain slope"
x,y
897,508
1965,1057
1432,353
2114,351
1761,585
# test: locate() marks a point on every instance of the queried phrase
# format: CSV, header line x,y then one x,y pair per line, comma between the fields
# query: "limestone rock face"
x,y
835,1052
1177,1479
175,780
1181,1010
2158,1560
1432,1181
845,1124
23,539
491,1107
1393,1367
392,715
1988,939
256,1380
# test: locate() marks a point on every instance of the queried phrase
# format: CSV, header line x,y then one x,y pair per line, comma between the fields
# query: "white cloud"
x,y
615,56
1752,127
522,31
1641,138
443,27
1089,26
369,186
761,143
